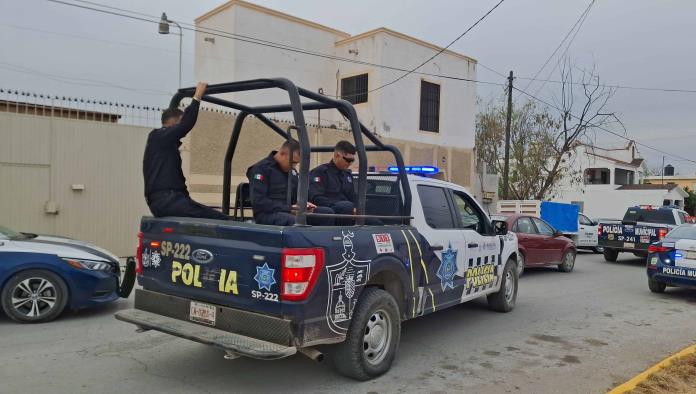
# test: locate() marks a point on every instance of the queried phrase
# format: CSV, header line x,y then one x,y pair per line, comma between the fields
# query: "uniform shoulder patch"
x,y
259,177
316,179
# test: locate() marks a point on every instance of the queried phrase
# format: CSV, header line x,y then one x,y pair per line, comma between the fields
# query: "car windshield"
x,y
682,232
649,216
6,233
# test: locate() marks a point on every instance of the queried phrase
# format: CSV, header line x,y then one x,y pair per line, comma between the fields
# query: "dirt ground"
x,y
679,377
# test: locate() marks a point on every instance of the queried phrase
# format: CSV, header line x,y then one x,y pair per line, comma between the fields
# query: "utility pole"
x,y
506,165
663,170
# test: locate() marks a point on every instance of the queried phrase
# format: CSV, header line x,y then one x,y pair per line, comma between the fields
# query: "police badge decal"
x,y
345,280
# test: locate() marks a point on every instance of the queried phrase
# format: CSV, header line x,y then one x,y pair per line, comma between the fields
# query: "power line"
x,y
565,51
252,40
582,16
605,129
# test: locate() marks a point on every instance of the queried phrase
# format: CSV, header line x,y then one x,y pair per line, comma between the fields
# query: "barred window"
x,y
430,107
354,89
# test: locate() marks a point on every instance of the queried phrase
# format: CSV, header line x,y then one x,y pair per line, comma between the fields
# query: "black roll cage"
x,y
297,107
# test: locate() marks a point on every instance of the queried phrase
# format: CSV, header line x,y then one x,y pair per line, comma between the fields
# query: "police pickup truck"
x,y
641,226
269,292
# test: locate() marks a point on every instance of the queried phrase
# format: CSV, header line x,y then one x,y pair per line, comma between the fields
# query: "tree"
x,y
690,201
543,138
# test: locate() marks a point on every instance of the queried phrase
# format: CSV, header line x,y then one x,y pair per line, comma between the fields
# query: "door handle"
x,y
472,245
437,247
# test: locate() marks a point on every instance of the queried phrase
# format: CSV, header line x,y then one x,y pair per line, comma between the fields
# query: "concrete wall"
x,y
207,143
612,204
41,158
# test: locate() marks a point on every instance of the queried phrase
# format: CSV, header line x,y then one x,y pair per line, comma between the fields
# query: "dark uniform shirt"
x,y
162,160
269,185
329,184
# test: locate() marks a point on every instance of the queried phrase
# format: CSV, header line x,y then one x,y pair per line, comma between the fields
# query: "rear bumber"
x,y
240,332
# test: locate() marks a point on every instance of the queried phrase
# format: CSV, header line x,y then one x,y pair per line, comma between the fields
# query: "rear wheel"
x,y
655,286
504,300
34,296
610,254
568,262
373,337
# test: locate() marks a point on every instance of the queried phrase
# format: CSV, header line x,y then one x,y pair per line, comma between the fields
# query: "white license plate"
x,y
202,313
629,245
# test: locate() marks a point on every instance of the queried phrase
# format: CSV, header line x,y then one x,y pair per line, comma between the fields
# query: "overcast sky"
x,y
55,49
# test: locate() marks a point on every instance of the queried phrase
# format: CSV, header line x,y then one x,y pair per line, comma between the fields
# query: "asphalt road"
x,y
582,332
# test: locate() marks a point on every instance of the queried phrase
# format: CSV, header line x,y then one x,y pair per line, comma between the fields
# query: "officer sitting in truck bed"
x,y
331,184
268,181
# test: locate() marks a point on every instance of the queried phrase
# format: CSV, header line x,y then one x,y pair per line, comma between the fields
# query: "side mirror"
x,y
557,233
500,227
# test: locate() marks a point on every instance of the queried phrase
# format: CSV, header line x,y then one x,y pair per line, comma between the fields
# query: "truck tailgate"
x,y
630,236
235,265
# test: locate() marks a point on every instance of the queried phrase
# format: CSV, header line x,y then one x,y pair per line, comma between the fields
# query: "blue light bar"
x,y
421,170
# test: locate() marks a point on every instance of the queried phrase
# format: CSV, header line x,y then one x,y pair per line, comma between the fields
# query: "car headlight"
x,y
88,264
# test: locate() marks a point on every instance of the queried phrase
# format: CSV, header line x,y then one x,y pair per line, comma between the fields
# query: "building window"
x,y
354,89
623,177
597,176
430,107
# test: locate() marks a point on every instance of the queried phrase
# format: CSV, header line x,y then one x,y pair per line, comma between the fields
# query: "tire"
x,y
31,305
520,265
610,254
504,300
655,286
376,324
568,262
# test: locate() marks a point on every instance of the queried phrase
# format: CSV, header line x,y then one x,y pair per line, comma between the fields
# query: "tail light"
x,y
599,230
300,270
662,232
659,249
139,255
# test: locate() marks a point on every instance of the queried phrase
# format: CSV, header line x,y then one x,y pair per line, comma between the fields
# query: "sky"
x,y
50,48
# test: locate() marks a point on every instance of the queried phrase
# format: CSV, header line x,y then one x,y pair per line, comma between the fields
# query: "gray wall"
x,y
41,158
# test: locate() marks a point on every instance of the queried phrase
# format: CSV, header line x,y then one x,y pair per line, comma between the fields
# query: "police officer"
x,y
165,185
331,184
268,180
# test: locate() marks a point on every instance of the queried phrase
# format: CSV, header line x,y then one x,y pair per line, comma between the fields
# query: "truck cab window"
x,y
436,209
584,220
470,216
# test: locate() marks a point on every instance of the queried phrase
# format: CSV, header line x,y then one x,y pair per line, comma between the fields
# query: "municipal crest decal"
x,y
345,280
448,267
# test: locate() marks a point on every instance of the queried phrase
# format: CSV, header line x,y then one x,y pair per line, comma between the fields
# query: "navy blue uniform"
x,y
268,188
330,186
165,184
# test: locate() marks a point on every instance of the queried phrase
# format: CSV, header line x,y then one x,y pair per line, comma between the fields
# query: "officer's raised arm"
x,y
188,120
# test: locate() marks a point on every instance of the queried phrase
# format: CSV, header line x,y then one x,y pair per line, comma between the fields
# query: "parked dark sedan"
x,y
540,244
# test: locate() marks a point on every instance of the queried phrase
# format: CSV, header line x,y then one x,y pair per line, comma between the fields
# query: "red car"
x,y
539,243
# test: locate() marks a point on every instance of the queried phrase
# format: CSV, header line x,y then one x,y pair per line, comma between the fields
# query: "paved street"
x,y
580,332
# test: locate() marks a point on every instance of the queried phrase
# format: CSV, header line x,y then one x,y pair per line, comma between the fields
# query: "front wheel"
x,y
34,296
610,254
504,300
568,262
373,337
655,286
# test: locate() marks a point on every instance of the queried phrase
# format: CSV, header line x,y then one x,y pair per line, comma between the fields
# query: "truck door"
x,y
443,284
587,232
482,249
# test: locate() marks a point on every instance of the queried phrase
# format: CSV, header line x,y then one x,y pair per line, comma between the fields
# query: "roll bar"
x,y
297,107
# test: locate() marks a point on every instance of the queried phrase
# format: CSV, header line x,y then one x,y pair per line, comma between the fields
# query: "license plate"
x,y
629,245
645,240
202,313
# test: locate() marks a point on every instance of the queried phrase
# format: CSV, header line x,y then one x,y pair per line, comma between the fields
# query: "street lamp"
x,y
164,29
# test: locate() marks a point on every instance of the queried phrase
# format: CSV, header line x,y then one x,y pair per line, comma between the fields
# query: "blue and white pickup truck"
x,y
640,227
269,292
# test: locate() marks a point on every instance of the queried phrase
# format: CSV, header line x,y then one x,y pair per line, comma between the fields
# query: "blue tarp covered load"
x,y
563,217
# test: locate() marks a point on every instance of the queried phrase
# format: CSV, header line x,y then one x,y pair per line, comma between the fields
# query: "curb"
x,y
638,379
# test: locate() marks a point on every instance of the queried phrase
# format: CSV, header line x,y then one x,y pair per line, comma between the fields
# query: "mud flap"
x,y
128,278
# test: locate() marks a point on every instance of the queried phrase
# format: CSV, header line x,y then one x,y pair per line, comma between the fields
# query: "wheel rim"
x,y
377,337
569,260
34,297
509,286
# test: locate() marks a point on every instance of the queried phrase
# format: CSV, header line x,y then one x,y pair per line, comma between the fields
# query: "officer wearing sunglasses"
x,y
331,184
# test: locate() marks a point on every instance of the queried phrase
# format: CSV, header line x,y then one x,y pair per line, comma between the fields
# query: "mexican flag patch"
x,y
316,179
258,177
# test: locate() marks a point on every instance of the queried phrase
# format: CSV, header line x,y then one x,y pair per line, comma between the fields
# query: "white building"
x,y
419,108
605,182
